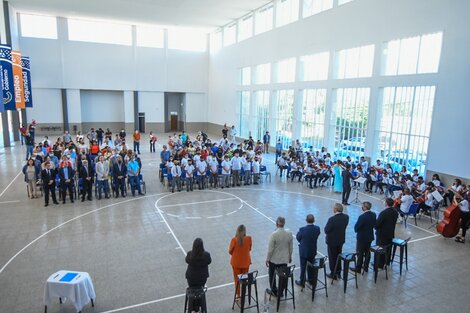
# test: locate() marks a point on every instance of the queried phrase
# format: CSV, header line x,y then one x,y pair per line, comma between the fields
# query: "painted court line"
x,y
13,201
6,188
168,225
199,202
424,238
66,222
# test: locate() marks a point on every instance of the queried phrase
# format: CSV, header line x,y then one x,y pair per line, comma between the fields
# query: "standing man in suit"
x,y
307,237
279,252
48,182
335,231
385,228
119,176
66,174
86,174
364,229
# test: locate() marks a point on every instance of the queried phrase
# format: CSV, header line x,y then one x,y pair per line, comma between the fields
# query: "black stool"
x,y
379,252
346,258
312,270
283,274
246,281
195,296
403,245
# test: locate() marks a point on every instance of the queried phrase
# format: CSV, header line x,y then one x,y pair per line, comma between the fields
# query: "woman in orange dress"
x,y
239,249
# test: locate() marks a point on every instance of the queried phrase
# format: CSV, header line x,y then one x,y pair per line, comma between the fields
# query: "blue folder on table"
x,y
68,277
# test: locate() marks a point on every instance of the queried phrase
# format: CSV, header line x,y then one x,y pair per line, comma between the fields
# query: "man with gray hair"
x,y
364,229
335,231
279,252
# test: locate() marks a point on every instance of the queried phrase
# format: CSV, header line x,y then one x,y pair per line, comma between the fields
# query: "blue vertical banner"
x,y
6,68
28,95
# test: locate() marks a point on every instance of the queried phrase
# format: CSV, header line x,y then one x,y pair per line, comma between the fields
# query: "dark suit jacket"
x,y
385,226
46,177
62,176
117,172
307,237
365,227
83,173
198,268
335,229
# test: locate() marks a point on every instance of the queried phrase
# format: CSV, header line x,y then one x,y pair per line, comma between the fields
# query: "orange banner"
x,y
18,79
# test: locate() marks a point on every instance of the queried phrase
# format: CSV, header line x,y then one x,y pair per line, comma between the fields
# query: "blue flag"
x,y
6,68
28,95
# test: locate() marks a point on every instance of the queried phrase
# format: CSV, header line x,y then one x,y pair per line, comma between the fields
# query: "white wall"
x,y
47,106
196,107
102,106
355,24
153,104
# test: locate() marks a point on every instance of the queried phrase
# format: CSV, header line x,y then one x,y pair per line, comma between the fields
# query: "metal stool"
x,y
246,281
195,295
283,274
379,252
346,258
312,270
403,244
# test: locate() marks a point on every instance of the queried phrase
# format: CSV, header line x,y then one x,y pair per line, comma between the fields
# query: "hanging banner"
x,y
28,96
6,69
18,79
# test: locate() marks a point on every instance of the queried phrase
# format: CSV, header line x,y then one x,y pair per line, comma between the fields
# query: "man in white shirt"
x,y
226,165
247,169
364,164
282,163
279,253
201,173
233,133
236,168
465,216
406,200
176,173
214,170
189,175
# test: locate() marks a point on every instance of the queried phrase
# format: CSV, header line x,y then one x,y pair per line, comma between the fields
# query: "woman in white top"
x,y
465,216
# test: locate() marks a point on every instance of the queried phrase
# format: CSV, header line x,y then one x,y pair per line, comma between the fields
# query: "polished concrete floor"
x,y
134,248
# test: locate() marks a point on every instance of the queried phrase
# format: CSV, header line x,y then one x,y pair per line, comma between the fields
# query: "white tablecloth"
x,y
80,290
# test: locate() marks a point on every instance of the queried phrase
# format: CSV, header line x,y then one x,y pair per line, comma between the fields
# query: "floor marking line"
x,y
424,238
215,216
8,186
13,201
168,225
68,221
199,202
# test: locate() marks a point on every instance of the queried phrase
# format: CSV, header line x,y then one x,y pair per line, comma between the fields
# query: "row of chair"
x,y
285,277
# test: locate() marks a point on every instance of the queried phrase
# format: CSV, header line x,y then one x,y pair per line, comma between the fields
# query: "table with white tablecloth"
x,y
72,285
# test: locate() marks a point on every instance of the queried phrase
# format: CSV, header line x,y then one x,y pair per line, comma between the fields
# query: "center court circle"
x,y
192,206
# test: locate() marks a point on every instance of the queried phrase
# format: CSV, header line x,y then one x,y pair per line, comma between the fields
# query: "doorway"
x,y
142,122
175,111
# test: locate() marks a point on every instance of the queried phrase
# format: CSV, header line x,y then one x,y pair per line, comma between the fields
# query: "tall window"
x,y
245,76
101,32
284,117
355,62
216,41
285,71
315,66
230,34
313,117
149,36
38,26
263,73
405,126
415,55
244,115
352,109
264,19
187,39
261,99
245,27
287,11
311,7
